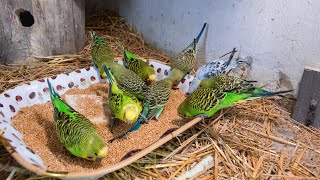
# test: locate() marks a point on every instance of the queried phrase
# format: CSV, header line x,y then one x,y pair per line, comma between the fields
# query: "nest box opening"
x,y
25,17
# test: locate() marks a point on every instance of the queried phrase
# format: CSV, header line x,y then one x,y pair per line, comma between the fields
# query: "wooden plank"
x,y
307,108
59,28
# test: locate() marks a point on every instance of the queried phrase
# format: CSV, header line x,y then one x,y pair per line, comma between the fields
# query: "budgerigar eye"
x,y
96,154
89,157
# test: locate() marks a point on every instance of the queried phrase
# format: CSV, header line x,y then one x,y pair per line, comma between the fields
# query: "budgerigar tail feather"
x,y
268,93
196,40
53,93
111,81
229,53
200,33
231,56
124,57
250,81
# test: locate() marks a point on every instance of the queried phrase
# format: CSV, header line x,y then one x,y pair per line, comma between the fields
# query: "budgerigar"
x,y
138,123
128,80
123,105
206,102
143,69
76,132
158,93
232,84
185,60
214,68
101,54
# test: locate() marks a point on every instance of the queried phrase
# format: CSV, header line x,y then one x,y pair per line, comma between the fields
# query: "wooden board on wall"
x,y
58,28
307,108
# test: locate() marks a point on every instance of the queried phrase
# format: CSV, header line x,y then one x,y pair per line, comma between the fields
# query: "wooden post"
x,y
307,108
40,28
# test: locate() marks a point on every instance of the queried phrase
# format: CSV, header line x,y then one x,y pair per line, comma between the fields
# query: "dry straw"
x,y
255,140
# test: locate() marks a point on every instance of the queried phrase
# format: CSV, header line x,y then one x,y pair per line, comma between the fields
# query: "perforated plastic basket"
x,y
37,92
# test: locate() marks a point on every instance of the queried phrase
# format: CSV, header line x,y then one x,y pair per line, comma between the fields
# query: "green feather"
x,y
208,101
141,68
127,80
122,102
101,54
185,60
232,84
158,93
75,131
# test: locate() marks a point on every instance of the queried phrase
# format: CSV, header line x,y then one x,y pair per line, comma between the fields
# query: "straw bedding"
x,y
257,139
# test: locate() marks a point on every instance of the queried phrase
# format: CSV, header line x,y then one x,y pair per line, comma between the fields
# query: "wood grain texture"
x,y
58,29
307,109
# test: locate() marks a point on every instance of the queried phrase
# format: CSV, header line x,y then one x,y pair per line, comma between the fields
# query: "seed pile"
x,y
37,127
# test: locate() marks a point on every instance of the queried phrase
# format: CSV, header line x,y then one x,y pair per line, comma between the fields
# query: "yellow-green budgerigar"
x,y
75,131
206,102
185,60
101,53
142,68
124,106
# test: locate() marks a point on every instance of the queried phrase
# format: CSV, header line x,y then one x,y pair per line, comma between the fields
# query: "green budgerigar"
x,y
185,60
158,93
128,80
142,68
76,132
101,54
229,84
206,102
232,84
124,106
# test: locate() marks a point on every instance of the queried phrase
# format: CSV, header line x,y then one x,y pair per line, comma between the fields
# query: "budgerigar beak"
x,y
104,75
152,77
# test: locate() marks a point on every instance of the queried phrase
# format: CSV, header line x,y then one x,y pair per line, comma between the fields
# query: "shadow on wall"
x,y
284,81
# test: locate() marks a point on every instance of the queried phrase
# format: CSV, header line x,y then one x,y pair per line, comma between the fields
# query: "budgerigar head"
x,y
131,114
194,85
152,77
151,74
95,149
183,110
95,39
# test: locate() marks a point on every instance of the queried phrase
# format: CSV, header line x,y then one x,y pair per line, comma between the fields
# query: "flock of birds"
x,y
135,97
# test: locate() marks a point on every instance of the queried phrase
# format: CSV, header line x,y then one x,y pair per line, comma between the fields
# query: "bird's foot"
x,y
118,137
202,116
